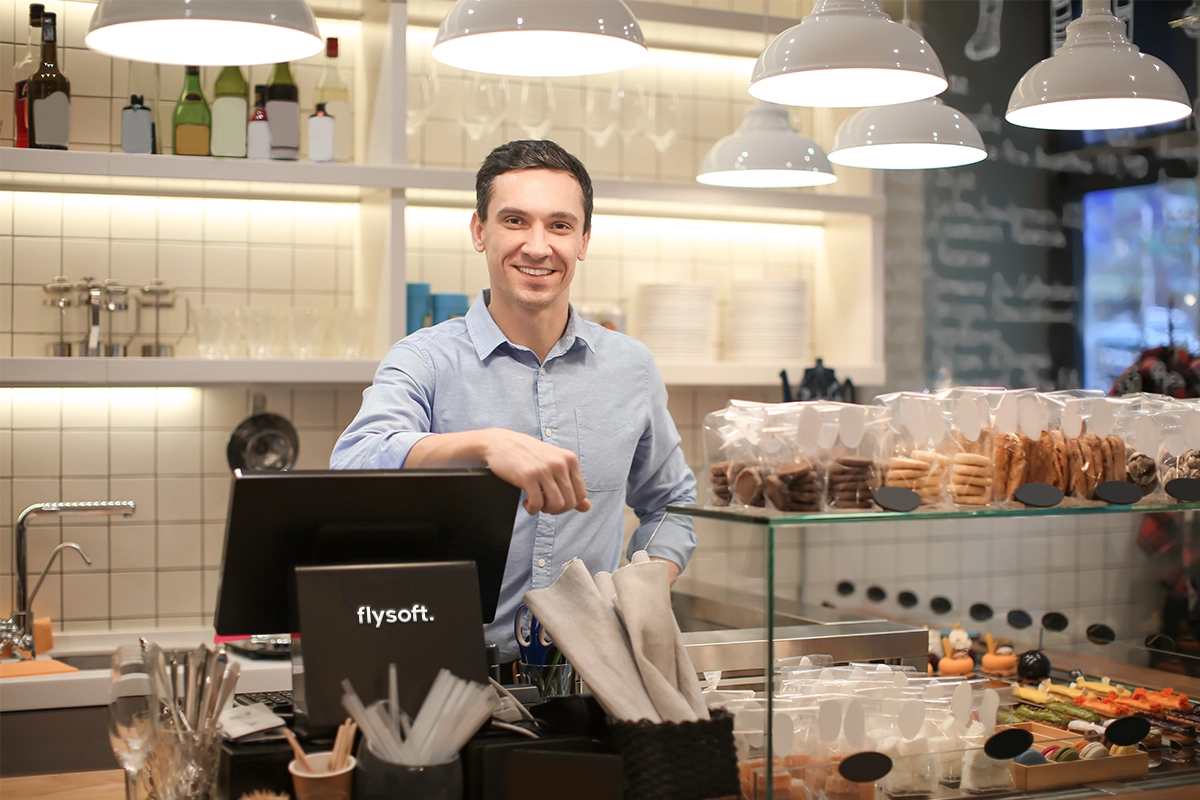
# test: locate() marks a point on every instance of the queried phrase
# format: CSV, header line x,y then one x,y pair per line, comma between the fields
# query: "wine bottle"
x,y
258,131
331,90
49,94
192,121
283,110
230,95
137,127
21,72
321,134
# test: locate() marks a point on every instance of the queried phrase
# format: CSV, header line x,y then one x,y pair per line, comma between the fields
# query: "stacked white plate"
x,y
677,320
767,320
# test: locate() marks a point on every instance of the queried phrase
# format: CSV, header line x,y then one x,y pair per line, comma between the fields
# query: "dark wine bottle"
x,y
48,94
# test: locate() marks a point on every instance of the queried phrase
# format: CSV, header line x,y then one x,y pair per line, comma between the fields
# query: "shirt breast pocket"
x,y
606,450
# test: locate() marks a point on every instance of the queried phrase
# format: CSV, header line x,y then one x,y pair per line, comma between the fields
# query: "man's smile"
x,y
534,271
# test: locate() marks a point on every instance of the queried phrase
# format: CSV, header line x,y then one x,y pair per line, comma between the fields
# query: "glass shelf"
x,y
780,519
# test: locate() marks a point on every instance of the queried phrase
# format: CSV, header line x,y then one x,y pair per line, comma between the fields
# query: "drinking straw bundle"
x,y
454,709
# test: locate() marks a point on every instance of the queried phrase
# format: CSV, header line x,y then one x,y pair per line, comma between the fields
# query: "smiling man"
x,y
573,414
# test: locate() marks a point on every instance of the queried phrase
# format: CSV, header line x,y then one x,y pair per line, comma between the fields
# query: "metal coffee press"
x,y
61,295
114,302
157,296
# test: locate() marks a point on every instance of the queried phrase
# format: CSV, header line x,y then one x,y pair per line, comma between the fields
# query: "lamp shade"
x,y
766,152
847,54
204,32
925,134
1097,80
536,38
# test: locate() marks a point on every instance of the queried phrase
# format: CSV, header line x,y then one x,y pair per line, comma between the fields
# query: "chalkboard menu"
x,y
1000,298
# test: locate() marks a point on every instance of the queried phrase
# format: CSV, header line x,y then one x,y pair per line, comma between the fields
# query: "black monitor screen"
x,y
279,521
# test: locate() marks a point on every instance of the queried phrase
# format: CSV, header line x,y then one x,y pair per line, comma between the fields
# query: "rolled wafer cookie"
x,y
1001,457
1058,440
1118,447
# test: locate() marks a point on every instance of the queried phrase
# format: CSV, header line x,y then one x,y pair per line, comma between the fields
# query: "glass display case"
x,y
1094,593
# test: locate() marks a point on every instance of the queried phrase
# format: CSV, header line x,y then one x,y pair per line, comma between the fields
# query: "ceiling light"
x,y
847,54
926,134
205,32
1097,80
535,38
766,152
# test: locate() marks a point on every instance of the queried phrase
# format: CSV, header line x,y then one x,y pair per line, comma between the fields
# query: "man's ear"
x,y
477,232
587,237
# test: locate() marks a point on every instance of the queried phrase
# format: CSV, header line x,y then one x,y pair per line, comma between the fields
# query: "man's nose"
x,y
537,243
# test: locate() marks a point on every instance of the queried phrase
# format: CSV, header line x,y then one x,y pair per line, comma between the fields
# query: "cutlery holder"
x,y
678,761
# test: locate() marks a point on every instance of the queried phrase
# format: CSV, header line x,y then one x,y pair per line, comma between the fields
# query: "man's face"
x,y
532,237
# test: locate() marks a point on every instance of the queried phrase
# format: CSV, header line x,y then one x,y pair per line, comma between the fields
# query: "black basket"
x,y
678,761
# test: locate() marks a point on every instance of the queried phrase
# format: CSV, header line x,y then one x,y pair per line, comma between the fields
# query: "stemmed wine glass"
x,y
485,99
423,87
662,119
602,110
632,114
535,114
130,709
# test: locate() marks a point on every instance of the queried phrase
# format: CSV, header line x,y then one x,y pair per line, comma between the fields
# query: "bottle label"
x,y
284,116
258,140
321,133
136,133
343,137
52,121
229,127
191,139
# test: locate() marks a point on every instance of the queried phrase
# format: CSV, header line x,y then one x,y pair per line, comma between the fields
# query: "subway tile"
x,y
134,216
1091,550
42,535
84,407
216,497
36,260
180,219
84,453
179,407
48,602
132,407
270,268
214,452
1090,588
133,262
91,120
316,269
36,453
212,581
1063,550
93,538
133,595
180,546
178,452
6,453
224,407
213,543
85,596
141,492
29,491
315,449
179,592
133,623
132,546
180,265
37,214
313,408
271,222
226,220
179,499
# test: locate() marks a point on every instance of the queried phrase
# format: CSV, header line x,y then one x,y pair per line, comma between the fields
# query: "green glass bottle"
x,y
229,113
283,110
192,121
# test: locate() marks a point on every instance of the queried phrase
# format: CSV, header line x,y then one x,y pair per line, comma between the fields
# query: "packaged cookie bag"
x,y
849,461
972,476
1118,421
793,480
730,439
915,455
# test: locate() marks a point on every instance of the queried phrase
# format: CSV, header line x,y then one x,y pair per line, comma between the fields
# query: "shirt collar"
x,y
487,336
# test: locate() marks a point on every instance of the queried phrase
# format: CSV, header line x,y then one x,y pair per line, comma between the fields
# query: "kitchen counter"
x,y
89,687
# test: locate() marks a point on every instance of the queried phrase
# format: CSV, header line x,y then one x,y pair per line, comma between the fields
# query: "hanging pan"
x,y
263,442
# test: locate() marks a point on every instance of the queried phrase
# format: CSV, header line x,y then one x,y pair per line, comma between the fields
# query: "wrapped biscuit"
x,y
1146,460
916,455
731,447
793,481
851,468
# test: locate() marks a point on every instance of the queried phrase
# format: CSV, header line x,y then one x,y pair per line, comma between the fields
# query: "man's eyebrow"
x,y
517,212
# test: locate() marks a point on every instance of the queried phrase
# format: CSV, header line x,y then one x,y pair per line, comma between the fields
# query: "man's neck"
x,y
538,329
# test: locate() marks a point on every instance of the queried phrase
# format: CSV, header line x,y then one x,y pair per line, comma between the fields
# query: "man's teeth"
x,y
537,272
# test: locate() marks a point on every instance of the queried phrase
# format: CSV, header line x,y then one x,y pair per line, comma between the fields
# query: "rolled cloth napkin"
x,y
620,634
586,629
643,601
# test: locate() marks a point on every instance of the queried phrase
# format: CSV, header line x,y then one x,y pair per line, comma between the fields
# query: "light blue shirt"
x,y
598,394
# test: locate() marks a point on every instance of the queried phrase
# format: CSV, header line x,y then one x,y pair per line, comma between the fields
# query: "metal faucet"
x,y
17,630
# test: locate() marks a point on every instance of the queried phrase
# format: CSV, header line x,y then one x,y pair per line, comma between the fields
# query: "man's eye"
x,y
513,221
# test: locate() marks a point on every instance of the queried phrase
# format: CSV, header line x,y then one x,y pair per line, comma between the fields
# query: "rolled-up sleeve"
x,y
661,477
396,413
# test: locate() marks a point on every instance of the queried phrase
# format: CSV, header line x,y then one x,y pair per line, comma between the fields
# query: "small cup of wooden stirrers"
x,y
326,775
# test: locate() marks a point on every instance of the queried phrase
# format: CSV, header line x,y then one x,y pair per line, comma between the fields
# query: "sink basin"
x,y
95,661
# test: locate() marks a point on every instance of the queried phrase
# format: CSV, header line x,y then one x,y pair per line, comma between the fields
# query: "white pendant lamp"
x,y
847,54
205,32
537,38
1097,80
925,134
766,152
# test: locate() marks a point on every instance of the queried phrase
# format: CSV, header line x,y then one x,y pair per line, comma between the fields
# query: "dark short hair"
x,y
530,154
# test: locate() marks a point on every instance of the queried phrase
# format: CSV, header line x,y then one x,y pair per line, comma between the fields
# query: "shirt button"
x,y
541,562
543,370
549,432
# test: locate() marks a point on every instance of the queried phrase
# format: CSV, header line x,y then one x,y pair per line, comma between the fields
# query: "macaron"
x,y
1066,754
1049,752
1093,750
1031,758
1122,749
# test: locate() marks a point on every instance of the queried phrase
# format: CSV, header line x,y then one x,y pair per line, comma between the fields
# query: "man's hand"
x,y
549,475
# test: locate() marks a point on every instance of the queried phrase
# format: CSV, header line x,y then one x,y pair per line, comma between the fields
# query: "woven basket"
x,y
678,761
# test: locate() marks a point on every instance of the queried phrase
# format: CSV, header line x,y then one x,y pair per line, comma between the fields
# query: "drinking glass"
x,y
265,329
662,119
485,99
219,332
305,332
349,330
423,88
535,114
130,726
601,110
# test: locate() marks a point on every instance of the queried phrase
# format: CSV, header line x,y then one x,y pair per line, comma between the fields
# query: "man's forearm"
x,y
464,449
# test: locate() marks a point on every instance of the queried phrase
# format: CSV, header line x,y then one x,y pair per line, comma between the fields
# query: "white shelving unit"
x,y
847,285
